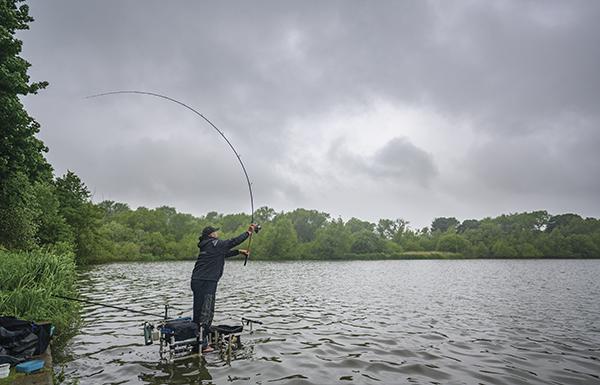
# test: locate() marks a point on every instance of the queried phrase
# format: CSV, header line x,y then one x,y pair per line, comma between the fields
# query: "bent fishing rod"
x,y
239,158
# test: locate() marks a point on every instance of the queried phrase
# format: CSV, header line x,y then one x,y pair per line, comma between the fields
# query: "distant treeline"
x,y
163,233
65,221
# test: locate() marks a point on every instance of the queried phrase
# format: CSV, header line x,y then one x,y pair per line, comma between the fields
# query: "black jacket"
x,y
213,251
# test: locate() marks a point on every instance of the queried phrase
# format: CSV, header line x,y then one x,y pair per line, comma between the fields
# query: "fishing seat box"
x,y
225,330
182,329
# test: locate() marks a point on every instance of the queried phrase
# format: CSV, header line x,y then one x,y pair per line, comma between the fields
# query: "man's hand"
x,y
251,228
244,252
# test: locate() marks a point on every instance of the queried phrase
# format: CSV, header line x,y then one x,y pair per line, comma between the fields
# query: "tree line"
x,y
163,233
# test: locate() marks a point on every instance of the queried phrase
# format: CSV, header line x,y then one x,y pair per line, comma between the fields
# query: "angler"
x,y
178,337
207,272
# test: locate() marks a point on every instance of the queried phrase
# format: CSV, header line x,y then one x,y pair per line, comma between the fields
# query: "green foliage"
x,y
17,212
230,223
149,234
82,216
277,241
333,241
562,221
307,223
453,243
479,250
355,225
443,224
163,233
29,216
264,214
52,226
20,150
388,229
503,249
366,242
28,282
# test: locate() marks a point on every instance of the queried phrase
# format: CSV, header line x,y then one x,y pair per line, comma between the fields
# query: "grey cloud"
x,y
401,159
565,165
509,69
472,59
398,161
181,174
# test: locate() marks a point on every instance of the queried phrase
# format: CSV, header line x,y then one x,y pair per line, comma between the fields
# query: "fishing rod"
x,y
239,158
105,305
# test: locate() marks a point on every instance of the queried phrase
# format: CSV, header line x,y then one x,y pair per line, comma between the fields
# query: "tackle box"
x,y
30,366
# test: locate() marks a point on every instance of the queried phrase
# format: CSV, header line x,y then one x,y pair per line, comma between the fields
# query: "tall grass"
x,y
28,282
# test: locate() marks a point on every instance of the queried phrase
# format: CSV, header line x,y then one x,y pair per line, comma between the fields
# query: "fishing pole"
x,y
239,158
105,305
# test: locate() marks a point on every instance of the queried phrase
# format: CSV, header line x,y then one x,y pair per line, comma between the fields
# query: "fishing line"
x,y
105,305
239,158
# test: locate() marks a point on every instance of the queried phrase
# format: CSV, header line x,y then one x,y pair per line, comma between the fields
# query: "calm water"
x,y
389,322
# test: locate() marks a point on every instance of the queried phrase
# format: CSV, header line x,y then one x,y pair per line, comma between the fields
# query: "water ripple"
x,y
423,322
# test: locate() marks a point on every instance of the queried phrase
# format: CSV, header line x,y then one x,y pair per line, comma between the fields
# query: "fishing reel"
x,y
257,228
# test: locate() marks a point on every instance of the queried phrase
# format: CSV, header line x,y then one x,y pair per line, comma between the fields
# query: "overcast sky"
x,y
372,109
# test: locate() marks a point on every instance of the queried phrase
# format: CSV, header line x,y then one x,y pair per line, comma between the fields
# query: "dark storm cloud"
x,y
512,71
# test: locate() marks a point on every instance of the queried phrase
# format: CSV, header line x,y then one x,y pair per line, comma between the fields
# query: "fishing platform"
x,y
182,337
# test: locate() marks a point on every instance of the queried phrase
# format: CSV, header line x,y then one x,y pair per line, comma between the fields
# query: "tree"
x,y
278,240
80,213
22,161
467,224
182,225
52,228
453,243
332,242
112,209
212,216
17,213
154,245
503,249
583,246
528,250
20,150
561,221
479,250
388,228
355,225
264,214
366,241
443,224
307,222
232,222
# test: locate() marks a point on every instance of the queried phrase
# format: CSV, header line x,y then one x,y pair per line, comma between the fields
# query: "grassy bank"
x,y
29,280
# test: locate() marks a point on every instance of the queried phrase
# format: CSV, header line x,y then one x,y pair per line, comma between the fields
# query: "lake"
x,y
363,322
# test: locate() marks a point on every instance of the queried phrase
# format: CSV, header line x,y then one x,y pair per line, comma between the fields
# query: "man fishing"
x,y
207,272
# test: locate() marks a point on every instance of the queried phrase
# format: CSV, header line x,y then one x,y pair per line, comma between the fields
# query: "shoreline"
x,y
411,257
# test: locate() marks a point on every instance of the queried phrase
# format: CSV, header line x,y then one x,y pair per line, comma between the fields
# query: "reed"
x,y
28,281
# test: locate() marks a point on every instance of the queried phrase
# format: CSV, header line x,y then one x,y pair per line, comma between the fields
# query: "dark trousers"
x,y
204,303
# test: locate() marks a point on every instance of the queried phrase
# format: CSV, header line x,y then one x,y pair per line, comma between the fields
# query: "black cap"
x,y
208,230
